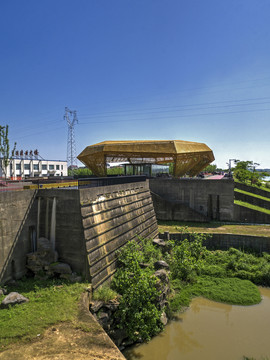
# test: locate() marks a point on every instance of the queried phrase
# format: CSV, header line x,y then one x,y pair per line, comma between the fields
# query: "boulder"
x,y
163,245
3,291
162,275
163,318
12,299
96,305
73,278
118,335
161,265
60,268
103,319
159,242
112,305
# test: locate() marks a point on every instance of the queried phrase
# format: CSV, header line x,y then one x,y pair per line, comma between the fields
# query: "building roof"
x,y
187,157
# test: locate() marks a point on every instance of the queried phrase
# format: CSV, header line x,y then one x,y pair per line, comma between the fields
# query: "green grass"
x,y
251,206
214,227
252,194
49,303
104,293
262,187
227,290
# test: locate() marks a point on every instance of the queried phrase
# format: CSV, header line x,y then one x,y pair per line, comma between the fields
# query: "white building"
x,y
22,168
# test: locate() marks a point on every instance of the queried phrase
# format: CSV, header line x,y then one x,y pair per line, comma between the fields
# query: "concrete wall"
x,y
210,199
113,215
17,220
91,225
245,215
225,241
69,234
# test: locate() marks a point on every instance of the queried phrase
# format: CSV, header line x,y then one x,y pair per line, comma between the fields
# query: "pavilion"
x,y
187,157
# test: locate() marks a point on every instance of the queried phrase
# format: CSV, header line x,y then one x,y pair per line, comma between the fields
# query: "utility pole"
x,y
71,118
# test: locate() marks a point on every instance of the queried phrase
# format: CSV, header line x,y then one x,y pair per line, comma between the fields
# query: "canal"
x,y
212,331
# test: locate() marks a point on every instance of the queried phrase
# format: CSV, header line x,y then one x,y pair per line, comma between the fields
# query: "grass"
x,y
252,194
49,303
214,227
227,290
262,187
251,206
104,293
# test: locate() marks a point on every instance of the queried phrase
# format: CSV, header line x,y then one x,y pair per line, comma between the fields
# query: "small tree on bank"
x,y
5,153
244,171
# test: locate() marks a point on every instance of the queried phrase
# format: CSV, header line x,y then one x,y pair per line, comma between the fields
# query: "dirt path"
x,y
82,340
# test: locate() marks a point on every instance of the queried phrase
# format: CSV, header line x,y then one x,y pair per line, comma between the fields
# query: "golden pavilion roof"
x,y
187,157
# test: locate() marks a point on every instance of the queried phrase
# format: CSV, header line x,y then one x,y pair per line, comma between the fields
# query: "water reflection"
x,y
210,330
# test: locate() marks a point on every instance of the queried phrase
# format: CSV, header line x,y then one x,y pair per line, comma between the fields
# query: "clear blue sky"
x,y
196,70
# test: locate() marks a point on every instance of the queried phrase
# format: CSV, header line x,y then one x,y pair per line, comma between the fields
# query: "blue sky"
x,y
137,69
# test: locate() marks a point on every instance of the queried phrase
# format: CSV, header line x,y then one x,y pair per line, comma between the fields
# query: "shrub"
x,y
104,293
137,313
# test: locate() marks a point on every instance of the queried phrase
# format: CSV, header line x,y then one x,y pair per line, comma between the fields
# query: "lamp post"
x,y
230,166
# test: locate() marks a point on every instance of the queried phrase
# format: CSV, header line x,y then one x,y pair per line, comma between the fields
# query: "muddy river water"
x,y
212,331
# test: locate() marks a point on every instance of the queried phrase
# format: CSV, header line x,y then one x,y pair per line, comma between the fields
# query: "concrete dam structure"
x,y
85,226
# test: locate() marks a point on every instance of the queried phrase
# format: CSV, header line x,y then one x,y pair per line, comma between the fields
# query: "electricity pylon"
x,y
71,145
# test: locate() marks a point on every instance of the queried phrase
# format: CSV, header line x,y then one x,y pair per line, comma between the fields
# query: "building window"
x,y
18,166
51,167
44,167
57,167
62,167
36,167
26,166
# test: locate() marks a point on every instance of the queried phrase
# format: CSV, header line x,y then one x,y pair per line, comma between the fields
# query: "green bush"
x,y
138,313
104,293
186,259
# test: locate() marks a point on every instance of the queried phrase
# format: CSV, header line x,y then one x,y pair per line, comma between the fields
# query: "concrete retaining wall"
x,y
225,241
113,215
246,215
17,216
210,199
91,225
252,200
252,189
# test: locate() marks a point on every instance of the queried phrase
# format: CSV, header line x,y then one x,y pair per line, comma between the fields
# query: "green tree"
x,y
5,153
210,168
245,172
81,171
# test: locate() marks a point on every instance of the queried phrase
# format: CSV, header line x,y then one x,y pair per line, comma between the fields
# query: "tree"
x,y
5,153
210,168
244,171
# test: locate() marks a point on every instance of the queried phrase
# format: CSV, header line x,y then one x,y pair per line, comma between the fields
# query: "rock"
x,y
112,305
12,299
161,265
103,319
73,278
60,268
118,336
163,245
43,244
159,242
163,318
96,305
3,291
162,275
144,265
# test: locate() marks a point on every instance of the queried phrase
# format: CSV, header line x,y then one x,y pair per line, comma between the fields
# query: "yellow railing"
x,y
52,186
